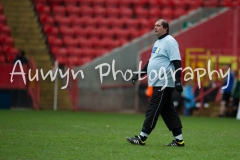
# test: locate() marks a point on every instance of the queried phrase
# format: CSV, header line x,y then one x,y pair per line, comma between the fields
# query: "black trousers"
x,y
161,103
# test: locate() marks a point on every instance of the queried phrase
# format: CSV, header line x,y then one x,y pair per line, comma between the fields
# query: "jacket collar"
x,y
162,36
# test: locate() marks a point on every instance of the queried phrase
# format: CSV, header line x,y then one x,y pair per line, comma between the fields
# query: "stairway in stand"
x,y
28,36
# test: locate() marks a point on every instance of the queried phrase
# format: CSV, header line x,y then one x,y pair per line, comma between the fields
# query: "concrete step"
x,y
16,13
23,41
16,3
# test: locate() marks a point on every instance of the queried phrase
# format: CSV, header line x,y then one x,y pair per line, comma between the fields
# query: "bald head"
x,y
164,24
161,27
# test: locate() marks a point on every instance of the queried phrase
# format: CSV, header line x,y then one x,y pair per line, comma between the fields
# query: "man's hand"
x,y
178,86
135,80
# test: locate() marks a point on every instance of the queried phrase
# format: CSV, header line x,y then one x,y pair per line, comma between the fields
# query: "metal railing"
x,y
34,86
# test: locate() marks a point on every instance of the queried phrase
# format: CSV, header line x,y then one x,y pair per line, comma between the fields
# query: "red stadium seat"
x,y
73,51
116,23
151,22
134,33
2,58
85,60
59,10
62,21
166,3
70,42
91,22
2,19
55,41
99,12
141,12
71,2
144,31
132,23
235,3
86,3
100,52
99,3
193,4
62,60
139,4
210,3
124,3
154,4
54,3
86,11
122,33
167,13
10,57
144,23
112,12
86,52
179,4
46,20
108,33
80,32
179,12
1,50
10,50
94,32
6,40
154,13
108,44
66,31
4,29
59,51
94,42
103,22
73,10
76,21
84,43
112,3
74,61
104,44
116,44
125,12
43,9
51,30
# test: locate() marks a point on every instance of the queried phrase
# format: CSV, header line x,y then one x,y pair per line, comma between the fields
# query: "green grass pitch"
x,y
49,135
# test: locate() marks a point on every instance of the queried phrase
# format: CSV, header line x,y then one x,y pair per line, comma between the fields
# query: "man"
x,y
21,56
165,55
226,93
235,94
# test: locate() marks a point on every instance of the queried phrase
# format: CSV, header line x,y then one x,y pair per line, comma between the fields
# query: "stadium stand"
x,y
103,19
88,18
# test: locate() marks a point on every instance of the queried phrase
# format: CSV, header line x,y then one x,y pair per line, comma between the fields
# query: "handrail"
x,y
73,91
203,93
34,86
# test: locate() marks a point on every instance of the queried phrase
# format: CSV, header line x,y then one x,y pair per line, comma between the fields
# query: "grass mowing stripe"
x,y
77,135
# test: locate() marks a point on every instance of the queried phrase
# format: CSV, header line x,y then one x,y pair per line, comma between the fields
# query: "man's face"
x,y
158,29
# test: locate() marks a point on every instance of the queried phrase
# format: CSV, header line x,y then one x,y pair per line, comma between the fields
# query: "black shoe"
x,y
135,140
175,143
